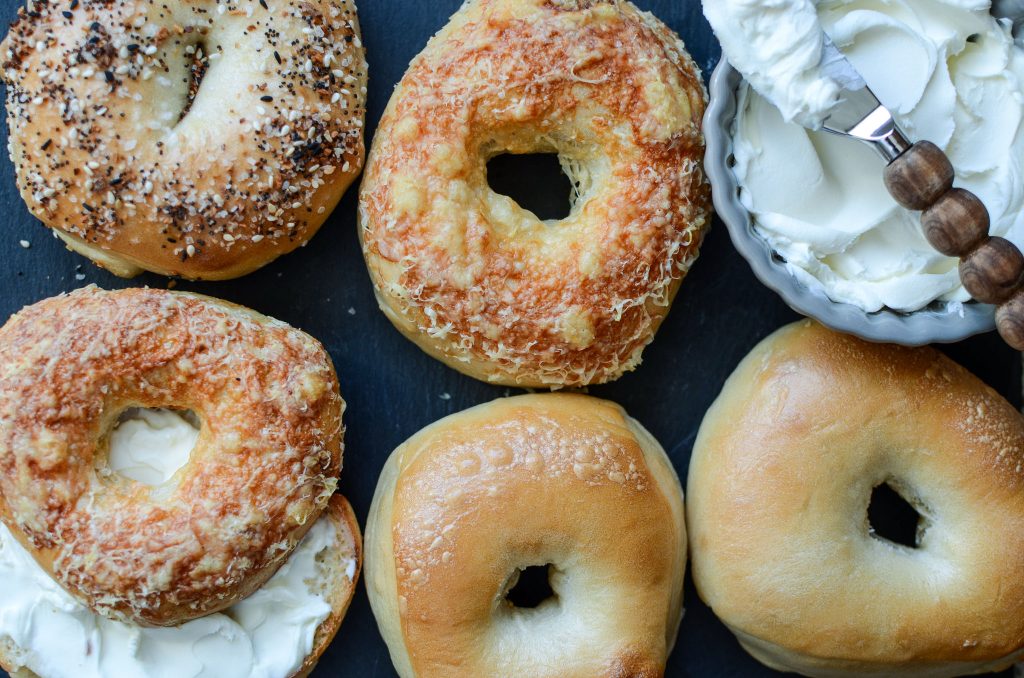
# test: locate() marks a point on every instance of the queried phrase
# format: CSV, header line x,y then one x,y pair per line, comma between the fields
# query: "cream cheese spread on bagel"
x,y
267,635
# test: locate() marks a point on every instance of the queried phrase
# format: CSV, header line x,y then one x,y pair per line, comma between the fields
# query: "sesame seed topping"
x,y
95,173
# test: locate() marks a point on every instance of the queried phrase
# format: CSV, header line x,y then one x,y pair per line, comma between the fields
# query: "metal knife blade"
x,y
859,114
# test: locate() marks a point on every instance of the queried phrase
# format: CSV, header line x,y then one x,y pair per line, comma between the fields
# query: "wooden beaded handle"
x,y
956,223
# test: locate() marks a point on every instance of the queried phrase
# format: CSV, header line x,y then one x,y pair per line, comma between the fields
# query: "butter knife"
x,y
919,177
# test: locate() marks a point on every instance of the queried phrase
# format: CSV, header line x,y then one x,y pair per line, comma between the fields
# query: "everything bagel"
x,y
780,484
481,283
465,506
265,464
199,138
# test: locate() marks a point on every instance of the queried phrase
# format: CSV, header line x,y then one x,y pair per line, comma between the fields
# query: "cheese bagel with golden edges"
x,y
198,138
264,465
481,283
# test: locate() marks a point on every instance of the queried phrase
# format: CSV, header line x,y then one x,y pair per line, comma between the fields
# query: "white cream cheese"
x,y
267,635
151,445
777,45
951,74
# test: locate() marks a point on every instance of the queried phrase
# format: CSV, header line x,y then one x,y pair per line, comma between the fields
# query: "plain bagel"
x,y
481,283
200,139
782,475
265,464
564,481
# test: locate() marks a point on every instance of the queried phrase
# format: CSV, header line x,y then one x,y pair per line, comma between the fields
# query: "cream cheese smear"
x,y
267,635
949,72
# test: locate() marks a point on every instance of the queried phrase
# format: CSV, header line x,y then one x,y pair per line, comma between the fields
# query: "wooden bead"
x,y
920,176
993,271
1010,321
957,223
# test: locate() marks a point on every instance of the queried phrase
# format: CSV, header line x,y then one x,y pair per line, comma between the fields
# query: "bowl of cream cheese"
x,y
809,210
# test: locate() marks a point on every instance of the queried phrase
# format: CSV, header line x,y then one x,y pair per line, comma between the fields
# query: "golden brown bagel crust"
x,y
779,486
10,660
562,479
337,588
266,462
482,284
265,150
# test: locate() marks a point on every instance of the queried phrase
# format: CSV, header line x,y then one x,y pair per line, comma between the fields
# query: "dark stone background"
x,y
393,389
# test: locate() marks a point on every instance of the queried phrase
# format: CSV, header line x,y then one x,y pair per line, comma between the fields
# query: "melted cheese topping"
x,y
268,395
478,281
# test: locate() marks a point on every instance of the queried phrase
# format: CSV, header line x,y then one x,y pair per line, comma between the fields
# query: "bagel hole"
x,y
197,64
892,518
531,587
536,182
150,445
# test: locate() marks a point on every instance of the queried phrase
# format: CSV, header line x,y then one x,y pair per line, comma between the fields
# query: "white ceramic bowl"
x,y
935,324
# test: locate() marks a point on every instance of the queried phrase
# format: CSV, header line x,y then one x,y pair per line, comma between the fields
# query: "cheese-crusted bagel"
x,y
266,461
481,283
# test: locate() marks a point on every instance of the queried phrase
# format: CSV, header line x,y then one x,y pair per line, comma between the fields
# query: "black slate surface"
x,y
393,389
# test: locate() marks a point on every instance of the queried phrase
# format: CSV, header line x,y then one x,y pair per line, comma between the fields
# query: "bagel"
x,y
265,463
289,622
200,139
467,504
781,479
481,283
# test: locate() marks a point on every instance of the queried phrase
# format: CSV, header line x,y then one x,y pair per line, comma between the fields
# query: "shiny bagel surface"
x,y
266,462
468,503
197,138
780,483
481,283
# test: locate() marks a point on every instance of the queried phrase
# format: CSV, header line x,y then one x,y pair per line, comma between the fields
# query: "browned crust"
x,y
779,486
209,197
562,479
8,661
477,281
265,465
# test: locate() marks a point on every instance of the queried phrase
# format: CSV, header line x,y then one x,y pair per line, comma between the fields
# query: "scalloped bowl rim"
x,y
912,329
